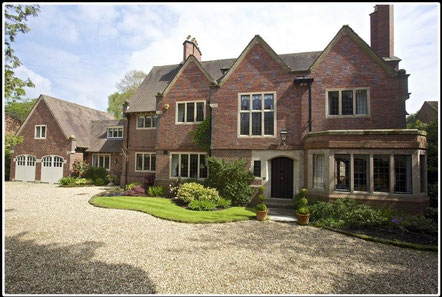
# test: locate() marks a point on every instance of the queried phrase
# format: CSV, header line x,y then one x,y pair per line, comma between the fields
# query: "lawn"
x,y
166,209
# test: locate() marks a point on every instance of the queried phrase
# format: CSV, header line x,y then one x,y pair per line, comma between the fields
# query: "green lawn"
x,y
165,209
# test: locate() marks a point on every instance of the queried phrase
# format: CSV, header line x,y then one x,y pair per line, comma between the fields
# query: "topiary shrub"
x,y
303,210
155,191
202,205
261,207
135,191
194,191
231,179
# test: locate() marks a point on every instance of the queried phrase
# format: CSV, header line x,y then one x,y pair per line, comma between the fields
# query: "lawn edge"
x,y
402,244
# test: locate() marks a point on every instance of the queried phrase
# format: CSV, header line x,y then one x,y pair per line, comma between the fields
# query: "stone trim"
x,y
368,132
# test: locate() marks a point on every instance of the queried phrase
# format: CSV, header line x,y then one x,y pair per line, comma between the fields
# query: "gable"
x,y
347,34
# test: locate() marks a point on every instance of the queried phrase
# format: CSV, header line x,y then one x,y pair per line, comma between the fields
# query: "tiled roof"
x,y
159,77
98,138
74,119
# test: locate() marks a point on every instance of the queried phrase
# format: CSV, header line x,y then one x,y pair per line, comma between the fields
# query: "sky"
x,y
80,52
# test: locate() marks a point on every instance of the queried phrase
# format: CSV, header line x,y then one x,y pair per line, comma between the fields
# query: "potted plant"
x,y
261,208
303,213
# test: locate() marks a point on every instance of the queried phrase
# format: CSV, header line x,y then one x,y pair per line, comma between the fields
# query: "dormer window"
x,y
115,132
40,132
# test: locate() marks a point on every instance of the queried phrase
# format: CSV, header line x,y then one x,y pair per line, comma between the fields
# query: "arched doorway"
x,y
282,178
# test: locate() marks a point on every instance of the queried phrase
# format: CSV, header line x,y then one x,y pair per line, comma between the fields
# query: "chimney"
x,y
382,31
191,48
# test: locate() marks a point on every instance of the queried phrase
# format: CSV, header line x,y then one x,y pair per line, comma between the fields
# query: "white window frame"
x,y
263,111
152,116
150,162
340,115
35,131
188,167
98,163
185,112
252,168
322,171
113,128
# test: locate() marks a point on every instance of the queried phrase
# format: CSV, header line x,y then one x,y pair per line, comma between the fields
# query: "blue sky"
x,y
79,52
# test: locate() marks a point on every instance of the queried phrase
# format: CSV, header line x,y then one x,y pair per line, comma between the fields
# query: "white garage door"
x,y
25,168
51,169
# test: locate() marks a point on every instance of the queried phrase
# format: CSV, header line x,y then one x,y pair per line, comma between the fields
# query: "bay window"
x,y
318,171
257,114
361,172
402,174
381,173
342,173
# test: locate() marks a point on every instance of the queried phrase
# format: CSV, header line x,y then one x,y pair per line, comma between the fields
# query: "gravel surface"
x,y
55,242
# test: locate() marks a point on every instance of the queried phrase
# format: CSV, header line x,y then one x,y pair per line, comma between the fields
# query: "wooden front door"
x,y
282,178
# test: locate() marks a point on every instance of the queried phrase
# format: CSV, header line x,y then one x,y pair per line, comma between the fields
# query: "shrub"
x,y
112,193
83,181
95,172
155,191
99,182
130,186
298,197
135,191
433,195
224,203
419,223
431,213
149,181
202,205
261,207
231,179
112,179
194,191
303,210
66,181
79,167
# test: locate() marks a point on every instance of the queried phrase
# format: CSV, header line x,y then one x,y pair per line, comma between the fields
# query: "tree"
x,y
20,109
202,134
15,22
10,141
126,87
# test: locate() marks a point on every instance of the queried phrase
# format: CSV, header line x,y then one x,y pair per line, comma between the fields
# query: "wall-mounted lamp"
x,y
166,106
283,135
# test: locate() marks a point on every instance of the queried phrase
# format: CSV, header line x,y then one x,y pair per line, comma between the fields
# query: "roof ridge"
x,y
73,103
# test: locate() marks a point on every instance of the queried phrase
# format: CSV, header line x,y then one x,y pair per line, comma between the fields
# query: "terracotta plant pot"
x,y
261,215
302,218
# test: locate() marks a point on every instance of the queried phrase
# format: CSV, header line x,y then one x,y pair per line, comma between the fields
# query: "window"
x,y
147,121
348,102
30,161
101,160
115,132
318,171
185,165
145,162
423,173
402,174
47,161
40,132
257,168
190,112
381,173
21,160
361,172
257,114
342,173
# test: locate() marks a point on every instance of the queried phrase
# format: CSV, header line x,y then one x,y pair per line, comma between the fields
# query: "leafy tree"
x,y
20,109
126,87
15,22
10,141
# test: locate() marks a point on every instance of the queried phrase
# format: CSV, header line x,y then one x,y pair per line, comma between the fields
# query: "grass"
x,y
166,209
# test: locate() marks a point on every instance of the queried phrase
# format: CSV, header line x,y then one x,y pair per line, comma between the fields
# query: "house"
x,y
428,112
332,121
55,134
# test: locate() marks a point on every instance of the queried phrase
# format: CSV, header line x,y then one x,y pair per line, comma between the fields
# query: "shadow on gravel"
x,y
32,268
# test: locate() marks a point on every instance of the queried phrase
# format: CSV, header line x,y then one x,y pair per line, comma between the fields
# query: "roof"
x,y
98,138
74,119
159,77
433,104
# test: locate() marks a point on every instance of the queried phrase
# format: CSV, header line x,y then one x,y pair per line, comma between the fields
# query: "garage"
x,y
51,169
25,168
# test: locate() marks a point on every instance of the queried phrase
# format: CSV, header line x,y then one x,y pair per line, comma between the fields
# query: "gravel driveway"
x,y
58,243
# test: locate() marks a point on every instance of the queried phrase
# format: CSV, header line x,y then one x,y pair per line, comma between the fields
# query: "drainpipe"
x,y
125,114
302,81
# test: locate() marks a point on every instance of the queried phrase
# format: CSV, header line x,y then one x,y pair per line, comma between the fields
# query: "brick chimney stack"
x,y
382,30
190,47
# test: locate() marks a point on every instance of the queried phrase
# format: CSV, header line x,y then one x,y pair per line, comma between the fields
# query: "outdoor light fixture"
x,y
283,134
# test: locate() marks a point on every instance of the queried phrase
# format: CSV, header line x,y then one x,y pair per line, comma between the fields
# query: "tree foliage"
x,y
10,141
15,23
126,87
202,134
20,109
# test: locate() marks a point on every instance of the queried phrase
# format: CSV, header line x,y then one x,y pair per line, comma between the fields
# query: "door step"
x,y
279,203
282,215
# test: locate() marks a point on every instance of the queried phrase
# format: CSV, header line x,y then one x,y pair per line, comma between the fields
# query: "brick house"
x,y
332,121
56,133
428,112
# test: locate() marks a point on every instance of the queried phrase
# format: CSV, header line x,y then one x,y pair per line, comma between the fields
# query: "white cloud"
x,y
42,84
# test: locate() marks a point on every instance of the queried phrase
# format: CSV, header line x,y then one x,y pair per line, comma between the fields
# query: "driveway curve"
x,y
57,243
